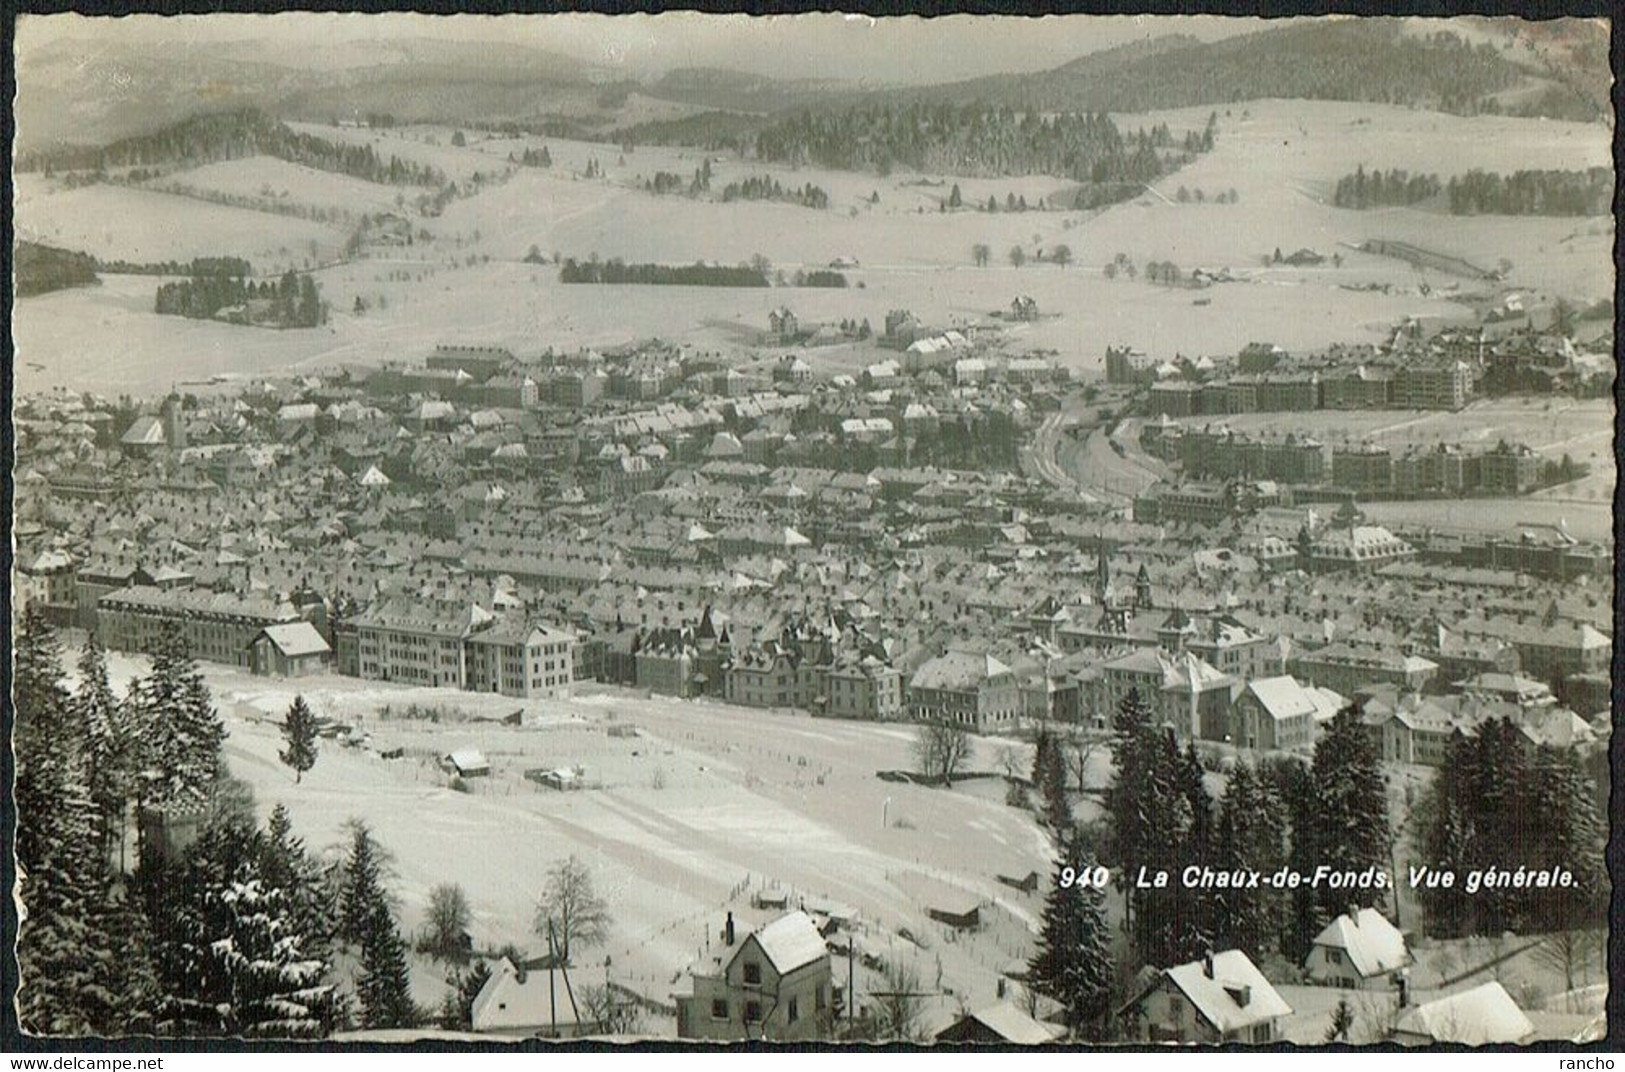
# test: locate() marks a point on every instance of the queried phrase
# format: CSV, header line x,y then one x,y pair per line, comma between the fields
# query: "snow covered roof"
x,y
1283,697
1480,1016
515,1001
296,638
957,671
1236,996
1013,1025
1374,946
467,760
791,942
145,432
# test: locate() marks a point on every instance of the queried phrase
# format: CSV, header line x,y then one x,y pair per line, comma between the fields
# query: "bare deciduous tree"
x,y
612,1013
578,916
899,1007
445,924
941,749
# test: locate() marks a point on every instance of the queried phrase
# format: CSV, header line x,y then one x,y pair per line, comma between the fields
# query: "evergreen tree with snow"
x,y
1199,849
1341,823
1149,809
181,725
287,865
1251,836
113,748
1049,774
1564,803
1073,963
234,957
61,868
299,731
457,1008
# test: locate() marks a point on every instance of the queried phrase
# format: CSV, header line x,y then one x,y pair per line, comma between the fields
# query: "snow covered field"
x,y
466,284
706,807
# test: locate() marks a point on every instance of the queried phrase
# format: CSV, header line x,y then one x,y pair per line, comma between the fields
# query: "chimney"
x,y
728,930
1404,990
1354,913
1207,964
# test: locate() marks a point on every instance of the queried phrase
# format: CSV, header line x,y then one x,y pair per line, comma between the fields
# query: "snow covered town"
x,y
549,531
681,585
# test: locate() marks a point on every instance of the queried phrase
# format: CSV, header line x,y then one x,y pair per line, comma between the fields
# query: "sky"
x,y
824,46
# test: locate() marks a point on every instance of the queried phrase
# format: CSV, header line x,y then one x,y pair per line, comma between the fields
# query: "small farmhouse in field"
x,y
467,763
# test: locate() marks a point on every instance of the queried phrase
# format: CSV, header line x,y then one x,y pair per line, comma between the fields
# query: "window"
x,y
795,1014
719,1009
753,974
818,998
753,1012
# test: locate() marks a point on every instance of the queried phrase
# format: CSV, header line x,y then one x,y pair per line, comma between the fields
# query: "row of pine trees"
x,y
237,933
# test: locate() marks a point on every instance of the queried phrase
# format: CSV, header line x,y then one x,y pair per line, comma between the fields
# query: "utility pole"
x,y
552,1004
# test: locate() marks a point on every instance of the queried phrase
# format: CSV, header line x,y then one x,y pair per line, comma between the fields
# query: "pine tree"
x,y
1565,805
362,887
180,723
299,730
1200,850
383,987
457,1009
286,865
1073,962
234,957
1251,835
255,961
1151,823
1341,823
114,748
1129,837
61,866
1342,1021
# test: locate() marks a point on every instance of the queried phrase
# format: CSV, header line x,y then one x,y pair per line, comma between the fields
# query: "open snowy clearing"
x,y
707,806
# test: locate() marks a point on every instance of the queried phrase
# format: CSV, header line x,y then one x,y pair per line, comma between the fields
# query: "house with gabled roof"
x,y
774,985
1280,713
1485,1015
1221,998
289,649
1359,950
1001,1024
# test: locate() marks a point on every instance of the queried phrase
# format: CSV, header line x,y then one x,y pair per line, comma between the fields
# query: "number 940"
x,y
1096,877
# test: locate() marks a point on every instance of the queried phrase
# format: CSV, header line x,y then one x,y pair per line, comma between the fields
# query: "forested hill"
x,y
232,135
1347,59
972,139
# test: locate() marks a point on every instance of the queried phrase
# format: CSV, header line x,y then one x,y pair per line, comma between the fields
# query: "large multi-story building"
x,y
1348,668
218,627
518,658
965,688
445,646
1362,467
1433,385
